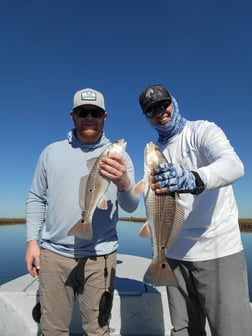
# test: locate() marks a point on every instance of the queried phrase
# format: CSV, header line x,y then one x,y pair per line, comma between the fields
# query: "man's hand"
x,y
114,168
168,177
32,257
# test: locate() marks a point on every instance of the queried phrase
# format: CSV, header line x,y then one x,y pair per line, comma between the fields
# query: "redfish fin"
x,y
160,274
90,163
82,230
103,204
144,231
139,187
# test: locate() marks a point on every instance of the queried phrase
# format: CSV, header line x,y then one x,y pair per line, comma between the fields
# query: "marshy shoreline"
x,y
245,223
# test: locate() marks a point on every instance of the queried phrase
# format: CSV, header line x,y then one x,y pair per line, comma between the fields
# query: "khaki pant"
x,y
62,279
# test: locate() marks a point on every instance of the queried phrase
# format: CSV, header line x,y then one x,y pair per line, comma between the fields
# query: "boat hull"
x,y
138,308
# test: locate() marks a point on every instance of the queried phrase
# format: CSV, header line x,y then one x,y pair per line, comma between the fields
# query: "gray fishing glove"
x,y
175,178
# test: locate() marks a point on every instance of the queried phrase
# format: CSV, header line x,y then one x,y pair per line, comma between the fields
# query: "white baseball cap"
x,y
88,97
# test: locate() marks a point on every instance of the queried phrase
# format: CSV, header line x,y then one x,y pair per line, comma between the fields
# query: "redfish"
x,y
92,192
164,221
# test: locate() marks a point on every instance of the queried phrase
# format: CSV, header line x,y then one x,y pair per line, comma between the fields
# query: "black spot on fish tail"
x,y
82,230
160,274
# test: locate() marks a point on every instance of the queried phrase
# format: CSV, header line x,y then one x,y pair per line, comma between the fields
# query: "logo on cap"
x,y
149,93
88,95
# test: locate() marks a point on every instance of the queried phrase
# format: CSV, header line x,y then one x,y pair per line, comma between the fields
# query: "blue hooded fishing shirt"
x,y
53,207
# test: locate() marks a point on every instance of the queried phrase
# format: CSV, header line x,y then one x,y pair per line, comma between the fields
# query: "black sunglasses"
x,y
157,108
83,113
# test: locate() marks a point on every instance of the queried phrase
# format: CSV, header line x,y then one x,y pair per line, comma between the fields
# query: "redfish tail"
x,y
160,274
82,230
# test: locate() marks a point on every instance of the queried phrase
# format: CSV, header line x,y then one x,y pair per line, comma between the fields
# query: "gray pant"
x,y
214,289
62,279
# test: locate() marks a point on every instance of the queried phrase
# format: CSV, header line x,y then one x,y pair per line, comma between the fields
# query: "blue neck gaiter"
x,y
175,126
72,139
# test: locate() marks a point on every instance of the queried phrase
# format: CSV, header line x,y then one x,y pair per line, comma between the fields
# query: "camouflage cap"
x,y
153,95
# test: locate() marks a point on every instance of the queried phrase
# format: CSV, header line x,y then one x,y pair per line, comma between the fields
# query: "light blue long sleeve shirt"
x,y
52,205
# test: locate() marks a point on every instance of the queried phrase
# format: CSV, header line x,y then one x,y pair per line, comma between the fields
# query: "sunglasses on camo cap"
x,y
157,109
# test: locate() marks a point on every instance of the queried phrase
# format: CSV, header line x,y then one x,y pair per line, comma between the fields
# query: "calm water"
x,y
12,248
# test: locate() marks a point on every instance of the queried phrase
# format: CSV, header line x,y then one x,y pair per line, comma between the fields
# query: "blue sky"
x,y
201,50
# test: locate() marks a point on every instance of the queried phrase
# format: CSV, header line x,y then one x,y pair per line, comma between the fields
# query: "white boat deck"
x,y
138,309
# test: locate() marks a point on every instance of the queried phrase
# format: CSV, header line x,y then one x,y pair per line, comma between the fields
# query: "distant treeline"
x,y
132,219
12,221
245,223
22,220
